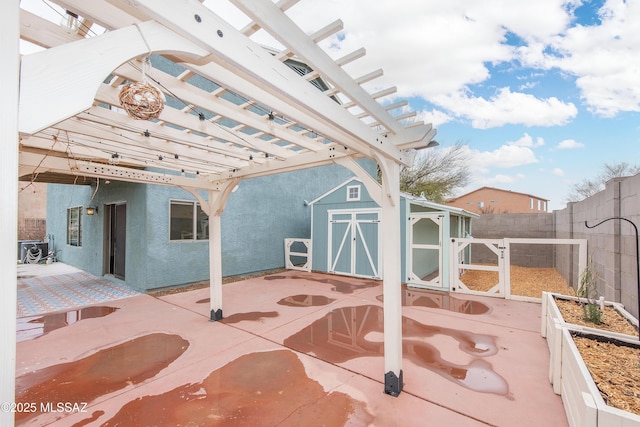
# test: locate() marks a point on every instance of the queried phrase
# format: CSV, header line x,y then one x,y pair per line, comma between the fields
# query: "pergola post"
x,y
391,275
9,75
214,208
215,265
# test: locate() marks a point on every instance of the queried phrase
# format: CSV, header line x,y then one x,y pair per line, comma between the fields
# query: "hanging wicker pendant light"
x,y
142,100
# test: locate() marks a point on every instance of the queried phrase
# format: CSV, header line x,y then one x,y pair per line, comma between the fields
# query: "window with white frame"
x,y
353,193
187,221
74,226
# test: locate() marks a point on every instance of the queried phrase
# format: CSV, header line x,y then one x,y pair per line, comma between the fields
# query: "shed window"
x,y
188,221
74,226
353,193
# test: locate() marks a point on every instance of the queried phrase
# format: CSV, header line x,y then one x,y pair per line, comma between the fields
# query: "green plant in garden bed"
x,y
589,291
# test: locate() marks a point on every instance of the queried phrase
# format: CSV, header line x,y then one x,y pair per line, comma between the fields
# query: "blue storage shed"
x,y
346,240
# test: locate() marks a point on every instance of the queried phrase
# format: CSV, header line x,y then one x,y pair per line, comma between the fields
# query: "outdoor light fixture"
x,y
91,210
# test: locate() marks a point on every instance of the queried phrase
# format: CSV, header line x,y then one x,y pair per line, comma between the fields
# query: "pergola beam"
x,y
255,65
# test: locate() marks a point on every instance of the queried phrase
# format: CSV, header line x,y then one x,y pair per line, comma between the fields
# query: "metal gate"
x,y
493,260
353,243
425,250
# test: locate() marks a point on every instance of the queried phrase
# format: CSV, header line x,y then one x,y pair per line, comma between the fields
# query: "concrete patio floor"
x,y
294,349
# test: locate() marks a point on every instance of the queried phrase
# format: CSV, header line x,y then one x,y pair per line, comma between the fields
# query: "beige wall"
x,y
32,211
489,200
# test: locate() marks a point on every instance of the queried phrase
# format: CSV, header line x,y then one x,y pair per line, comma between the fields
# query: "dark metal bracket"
x,y
216,315
393,383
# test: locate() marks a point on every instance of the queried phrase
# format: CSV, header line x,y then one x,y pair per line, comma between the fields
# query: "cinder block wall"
x,y
499,226
611,246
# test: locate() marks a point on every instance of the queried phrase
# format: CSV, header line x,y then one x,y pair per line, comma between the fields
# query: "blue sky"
x,y
541,93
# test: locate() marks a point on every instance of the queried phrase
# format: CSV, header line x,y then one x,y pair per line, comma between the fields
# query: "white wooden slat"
x,y
43,32
194,96
253,27
317,37
288,33
258,68
49,76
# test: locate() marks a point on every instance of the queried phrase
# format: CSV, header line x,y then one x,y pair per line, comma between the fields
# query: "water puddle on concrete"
x,y
32,327
341,286
441,300
266,388
345,334
251,316
306,301
103,372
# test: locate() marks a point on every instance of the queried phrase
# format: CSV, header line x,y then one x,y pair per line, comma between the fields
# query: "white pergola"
x,y
253,116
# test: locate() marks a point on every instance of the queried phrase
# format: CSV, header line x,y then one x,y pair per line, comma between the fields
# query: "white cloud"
x,y
508,107
602,57
527,141
506,156
557,172
435,117
503,179
569,144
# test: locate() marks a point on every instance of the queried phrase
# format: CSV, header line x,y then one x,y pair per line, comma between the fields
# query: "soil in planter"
x,y
616,371
611,320
525,281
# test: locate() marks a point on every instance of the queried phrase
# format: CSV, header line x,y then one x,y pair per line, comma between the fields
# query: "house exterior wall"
x,y
256,220
32,211
494,200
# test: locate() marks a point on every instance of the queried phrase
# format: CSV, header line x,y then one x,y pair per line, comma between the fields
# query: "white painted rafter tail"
x,y
53,87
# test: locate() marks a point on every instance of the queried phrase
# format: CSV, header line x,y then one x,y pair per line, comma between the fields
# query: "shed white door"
x,y
353,243
425,249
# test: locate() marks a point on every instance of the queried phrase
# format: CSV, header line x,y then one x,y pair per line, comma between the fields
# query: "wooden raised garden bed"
x,y
617,323
601,389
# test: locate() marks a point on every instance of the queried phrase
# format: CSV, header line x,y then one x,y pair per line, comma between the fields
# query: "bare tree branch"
x,y
437,173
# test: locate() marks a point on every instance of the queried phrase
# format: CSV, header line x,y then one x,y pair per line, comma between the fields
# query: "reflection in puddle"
x,y
32,327
103,372
339,285
268,388
442,300
341,335
250,316
306,301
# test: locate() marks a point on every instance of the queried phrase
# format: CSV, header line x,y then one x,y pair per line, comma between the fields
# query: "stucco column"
x,y
391,276
9,75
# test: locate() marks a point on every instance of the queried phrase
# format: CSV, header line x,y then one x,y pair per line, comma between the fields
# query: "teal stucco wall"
x,y
256,220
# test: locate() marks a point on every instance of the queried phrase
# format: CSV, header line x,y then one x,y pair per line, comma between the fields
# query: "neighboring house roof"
x,y
453,199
